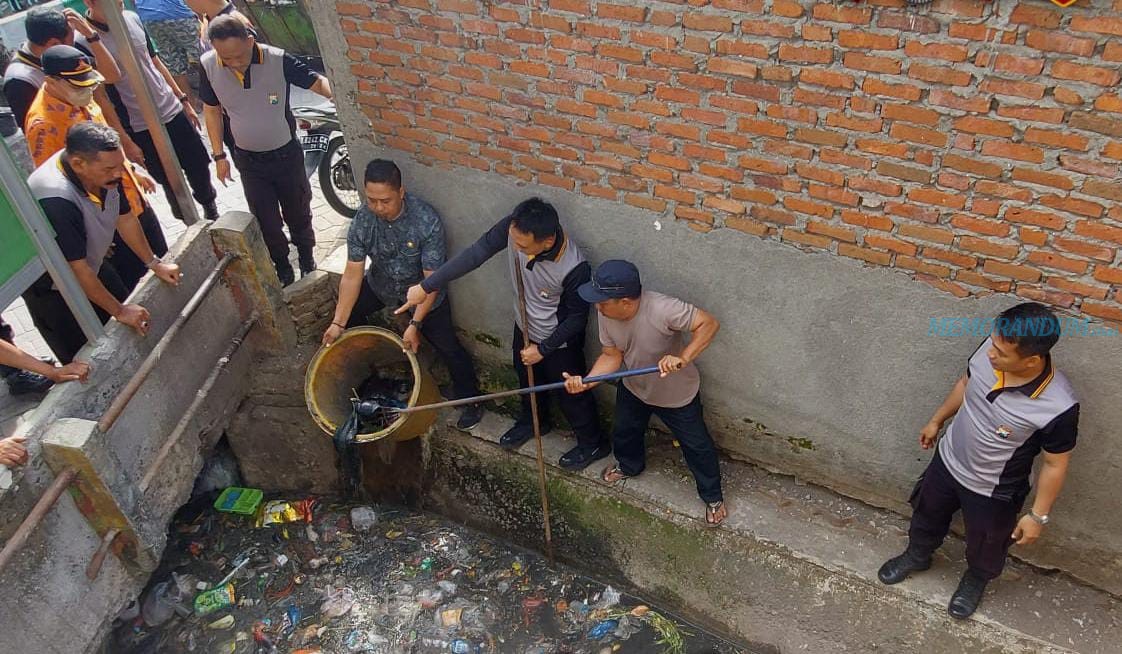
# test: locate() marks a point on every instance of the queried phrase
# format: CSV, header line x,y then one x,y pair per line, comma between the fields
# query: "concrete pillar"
x,y
253,279
76,443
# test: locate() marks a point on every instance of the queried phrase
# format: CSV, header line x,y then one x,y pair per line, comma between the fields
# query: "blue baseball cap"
x,y
612,279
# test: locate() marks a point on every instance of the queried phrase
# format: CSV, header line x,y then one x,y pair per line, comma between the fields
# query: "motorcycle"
x,y
325,153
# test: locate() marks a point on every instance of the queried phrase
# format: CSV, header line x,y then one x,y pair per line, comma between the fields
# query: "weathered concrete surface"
x,y
49,605
278,445
794,566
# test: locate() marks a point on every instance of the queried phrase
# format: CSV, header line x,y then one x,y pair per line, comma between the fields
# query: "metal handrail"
x,y
200,397
35,516
129,391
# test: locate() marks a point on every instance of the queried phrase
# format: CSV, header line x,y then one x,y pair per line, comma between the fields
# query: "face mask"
x,y
81,97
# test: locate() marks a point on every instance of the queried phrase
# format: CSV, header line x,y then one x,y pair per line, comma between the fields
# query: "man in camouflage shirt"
x,y
404,238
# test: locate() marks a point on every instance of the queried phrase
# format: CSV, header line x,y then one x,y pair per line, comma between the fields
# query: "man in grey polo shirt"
x,y
79,190
247,83
1009,406
640,328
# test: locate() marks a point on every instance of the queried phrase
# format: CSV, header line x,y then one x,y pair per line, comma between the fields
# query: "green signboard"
x,y
19,262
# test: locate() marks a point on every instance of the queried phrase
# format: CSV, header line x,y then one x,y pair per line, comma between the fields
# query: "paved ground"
x,y
330,230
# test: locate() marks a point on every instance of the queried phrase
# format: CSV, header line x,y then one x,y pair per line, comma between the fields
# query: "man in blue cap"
x,y
642,328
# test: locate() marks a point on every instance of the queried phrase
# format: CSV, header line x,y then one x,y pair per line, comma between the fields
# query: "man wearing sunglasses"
x,y
552,268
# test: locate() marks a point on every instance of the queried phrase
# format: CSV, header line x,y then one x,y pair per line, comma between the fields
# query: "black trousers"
x,y
989,522
193,158
53,319
278,193
438,330
124,260
580,410
686,423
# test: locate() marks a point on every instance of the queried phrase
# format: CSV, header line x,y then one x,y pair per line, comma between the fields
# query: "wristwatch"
x,y
1038,519
415,323
93,38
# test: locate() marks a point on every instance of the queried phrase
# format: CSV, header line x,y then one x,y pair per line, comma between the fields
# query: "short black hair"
x,y
383,171
88,139
43,24
1030,326
537,218
227,27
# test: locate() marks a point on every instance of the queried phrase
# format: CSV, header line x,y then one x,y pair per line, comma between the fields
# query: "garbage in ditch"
x,y
317,575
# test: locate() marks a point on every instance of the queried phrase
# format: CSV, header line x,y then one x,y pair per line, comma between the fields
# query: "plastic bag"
x,y
337,602
363,518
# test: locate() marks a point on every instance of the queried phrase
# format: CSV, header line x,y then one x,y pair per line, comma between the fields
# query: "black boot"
x,y
307,266
210,210
967,596
898,568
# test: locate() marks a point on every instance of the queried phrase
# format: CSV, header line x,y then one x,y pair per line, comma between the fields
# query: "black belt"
x,y
268,155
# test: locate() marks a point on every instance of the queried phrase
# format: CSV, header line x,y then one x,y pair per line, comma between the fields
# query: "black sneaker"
x,y
470,416
519,434
24,382
579,458
210,211
898,568
967,596
285,274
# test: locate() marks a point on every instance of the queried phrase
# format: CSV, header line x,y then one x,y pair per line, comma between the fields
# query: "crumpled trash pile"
x,y
316,576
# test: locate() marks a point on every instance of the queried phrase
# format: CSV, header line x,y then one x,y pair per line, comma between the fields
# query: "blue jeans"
x,y
686,423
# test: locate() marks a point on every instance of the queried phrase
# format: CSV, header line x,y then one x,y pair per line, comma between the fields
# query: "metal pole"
x,y
31,215
35,516
534,410
129,391
126,57
200,397
540,388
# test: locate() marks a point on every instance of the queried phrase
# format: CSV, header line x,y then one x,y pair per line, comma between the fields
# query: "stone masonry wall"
x,y
973,144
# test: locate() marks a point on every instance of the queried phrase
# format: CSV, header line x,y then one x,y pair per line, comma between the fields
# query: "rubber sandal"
x,y
711,511
613,471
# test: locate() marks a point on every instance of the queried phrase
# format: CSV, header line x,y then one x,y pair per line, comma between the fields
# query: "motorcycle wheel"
x,y
336,178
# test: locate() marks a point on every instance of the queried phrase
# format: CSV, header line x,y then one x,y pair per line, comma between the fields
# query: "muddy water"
x,y
409,583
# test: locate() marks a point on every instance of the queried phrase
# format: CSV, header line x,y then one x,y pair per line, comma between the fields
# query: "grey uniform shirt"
x,y
657,329
998,431
400,250
123,93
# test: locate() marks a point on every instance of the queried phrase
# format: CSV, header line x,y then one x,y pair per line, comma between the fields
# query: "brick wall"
x,y
975,145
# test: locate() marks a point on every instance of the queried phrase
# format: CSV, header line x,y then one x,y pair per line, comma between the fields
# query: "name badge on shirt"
x,y
274,98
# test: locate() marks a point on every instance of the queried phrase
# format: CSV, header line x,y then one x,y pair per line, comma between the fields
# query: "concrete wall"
x,y
824,367
49,605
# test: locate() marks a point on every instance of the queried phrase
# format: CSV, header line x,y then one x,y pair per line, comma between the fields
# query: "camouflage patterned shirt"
x,y
399,250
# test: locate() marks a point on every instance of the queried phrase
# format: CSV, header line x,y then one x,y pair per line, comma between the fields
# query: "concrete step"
x,y
792,569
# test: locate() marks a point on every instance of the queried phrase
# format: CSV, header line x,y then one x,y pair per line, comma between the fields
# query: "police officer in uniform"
x,y
247,83
79,190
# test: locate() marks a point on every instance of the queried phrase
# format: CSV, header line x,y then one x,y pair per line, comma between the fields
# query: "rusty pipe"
x,y
35,515
137,380
94,568
200,397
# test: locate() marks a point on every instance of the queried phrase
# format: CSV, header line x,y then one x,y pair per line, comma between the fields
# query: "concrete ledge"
x,y
794,567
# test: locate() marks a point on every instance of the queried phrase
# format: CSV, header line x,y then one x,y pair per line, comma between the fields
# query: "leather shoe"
x,y
579,458
898,568
286,274
967,596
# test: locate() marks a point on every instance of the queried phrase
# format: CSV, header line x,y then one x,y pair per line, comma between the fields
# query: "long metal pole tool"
x,y
540,388
534,408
